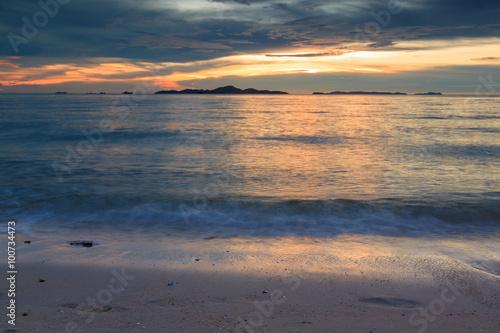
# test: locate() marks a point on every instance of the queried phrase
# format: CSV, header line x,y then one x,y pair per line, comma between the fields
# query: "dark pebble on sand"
x,y
82,243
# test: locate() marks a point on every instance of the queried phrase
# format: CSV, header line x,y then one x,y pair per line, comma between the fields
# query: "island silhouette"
x,y
374,93
224,90
232,90
430,94
359,93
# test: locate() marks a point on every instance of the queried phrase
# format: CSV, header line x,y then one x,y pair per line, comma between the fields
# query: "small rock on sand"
x,y
84,243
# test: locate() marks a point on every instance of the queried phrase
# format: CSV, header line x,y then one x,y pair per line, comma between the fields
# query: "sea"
x,y
242,166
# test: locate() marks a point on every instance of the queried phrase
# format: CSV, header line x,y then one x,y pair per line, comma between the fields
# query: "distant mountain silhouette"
x,y
224,90
430,93
60,93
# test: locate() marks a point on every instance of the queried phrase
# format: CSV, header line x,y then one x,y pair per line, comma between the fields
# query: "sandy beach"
x,y
345,284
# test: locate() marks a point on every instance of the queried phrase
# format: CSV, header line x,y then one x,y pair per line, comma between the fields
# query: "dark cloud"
x,y
153,31
322,54
242,2
155,41
487,58
382,43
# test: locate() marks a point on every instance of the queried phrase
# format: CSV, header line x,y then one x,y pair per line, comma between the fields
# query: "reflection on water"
x,y
312,149
270,164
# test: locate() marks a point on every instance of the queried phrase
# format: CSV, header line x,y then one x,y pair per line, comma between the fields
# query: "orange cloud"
x,y
61,73
6,63
405,56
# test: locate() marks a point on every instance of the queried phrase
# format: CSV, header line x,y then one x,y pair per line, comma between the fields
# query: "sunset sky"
x,y
297,46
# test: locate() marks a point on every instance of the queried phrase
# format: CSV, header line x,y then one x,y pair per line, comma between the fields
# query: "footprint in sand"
x,y
88,308
488,266
394,302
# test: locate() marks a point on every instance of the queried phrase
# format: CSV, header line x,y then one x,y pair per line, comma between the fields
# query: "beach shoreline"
x,y
346,284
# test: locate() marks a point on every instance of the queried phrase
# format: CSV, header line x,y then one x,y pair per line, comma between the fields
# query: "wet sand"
x,y
350,284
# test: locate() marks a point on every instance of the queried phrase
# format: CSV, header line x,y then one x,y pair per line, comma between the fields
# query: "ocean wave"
x,y
73,136
303,139
250,216
464,151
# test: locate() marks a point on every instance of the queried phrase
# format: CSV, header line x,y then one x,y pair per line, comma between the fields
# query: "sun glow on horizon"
x,y
406,56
